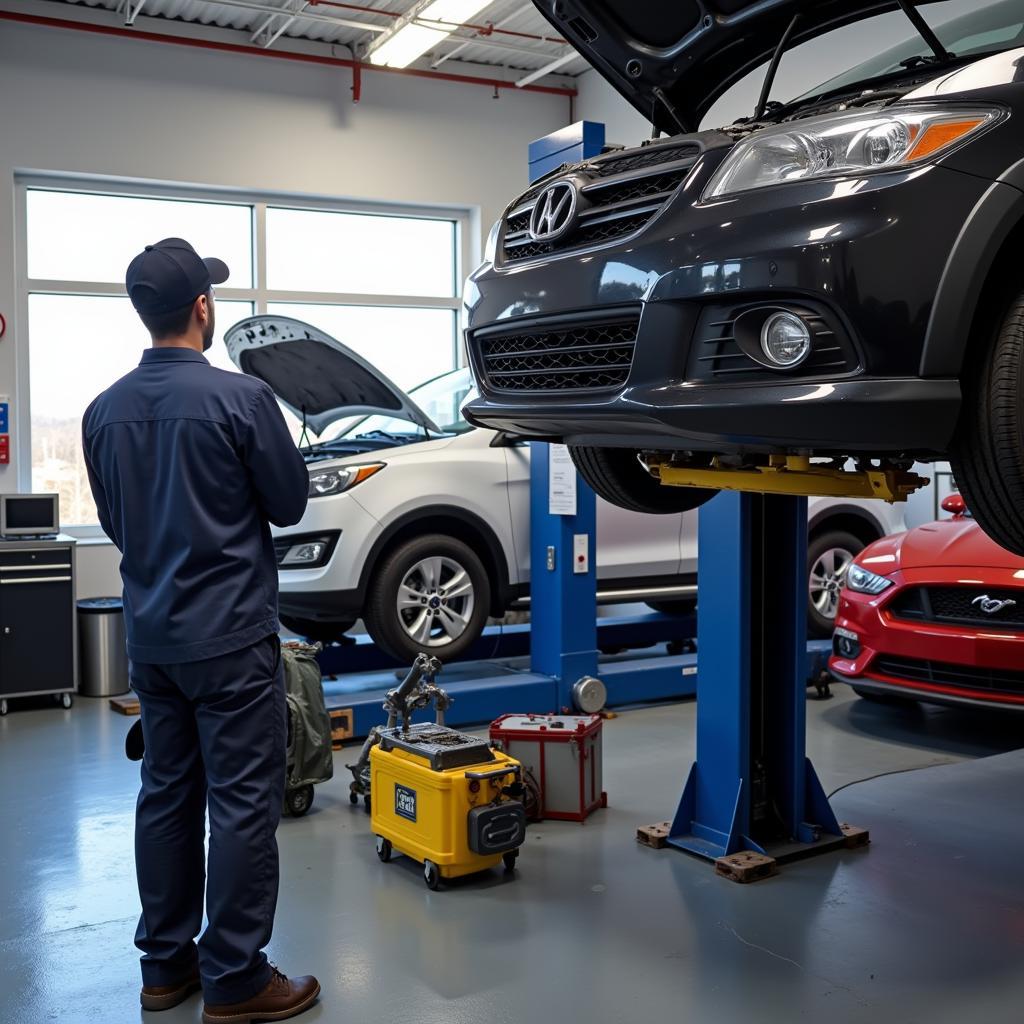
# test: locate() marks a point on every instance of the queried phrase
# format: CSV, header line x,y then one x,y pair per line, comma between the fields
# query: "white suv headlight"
x,y
865,582
324,482
852,142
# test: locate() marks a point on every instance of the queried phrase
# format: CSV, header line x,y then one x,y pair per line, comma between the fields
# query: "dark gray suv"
x,y
833,277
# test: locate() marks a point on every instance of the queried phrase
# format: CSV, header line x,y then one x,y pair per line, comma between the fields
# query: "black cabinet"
x,y
38,636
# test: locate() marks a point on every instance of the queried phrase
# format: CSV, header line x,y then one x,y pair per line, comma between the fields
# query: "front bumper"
x,y
332,591
953,654
870,252
864,415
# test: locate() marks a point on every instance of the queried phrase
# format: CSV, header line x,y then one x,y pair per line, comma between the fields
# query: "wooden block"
x,y
654,836
341,726
745,866
855,836
125,703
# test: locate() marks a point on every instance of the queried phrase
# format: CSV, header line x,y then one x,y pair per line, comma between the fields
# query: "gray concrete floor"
x,y
925,926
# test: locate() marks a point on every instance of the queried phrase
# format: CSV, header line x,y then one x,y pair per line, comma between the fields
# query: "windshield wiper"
x,y
924,30
386,435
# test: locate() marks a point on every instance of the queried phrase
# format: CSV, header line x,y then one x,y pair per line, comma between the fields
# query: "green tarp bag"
x,y
310,758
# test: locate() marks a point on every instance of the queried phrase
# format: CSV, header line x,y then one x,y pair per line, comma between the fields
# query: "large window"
x,y
384,282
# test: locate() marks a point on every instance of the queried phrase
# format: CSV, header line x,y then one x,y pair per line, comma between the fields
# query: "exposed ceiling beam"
x,y
557,63
131,13
266,35
507,20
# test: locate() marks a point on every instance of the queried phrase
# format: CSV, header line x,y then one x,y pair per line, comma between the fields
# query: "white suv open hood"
x,y
315,376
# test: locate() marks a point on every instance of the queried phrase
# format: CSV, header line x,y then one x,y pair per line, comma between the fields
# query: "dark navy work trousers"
x,y
215,733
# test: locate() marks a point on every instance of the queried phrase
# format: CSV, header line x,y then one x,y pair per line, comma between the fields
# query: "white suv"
x,y
418,523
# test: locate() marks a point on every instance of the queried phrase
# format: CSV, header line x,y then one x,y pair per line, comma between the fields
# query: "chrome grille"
x,y
619,195
564,355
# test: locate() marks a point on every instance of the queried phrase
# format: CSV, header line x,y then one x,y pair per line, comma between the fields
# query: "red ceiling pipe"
x,y
255,51
484,30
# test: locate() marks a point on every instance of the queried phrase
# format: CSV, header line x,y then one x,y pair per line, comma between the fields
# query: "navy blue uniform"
x,y
188,465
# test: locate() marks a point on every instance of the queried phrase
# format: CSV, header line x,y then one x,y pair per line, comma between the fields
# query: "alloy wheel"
x,y
826,579
435,601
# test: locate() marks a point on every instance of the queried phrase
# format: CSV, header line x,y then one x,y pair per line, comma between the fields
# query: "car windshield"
x,y
441,398
986,28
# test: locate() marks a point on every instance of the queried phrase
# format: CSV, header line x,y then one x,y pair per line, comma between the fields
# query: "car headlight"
x,y
491,246
864,582
325,482
853,142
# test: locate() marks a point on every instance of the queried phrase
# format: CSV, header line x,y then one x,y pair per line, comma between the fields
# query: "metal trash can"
x,y
101,643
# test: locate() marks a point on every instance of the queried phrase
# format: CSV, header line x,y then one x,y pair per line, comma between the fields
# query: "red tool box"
x,y
561,758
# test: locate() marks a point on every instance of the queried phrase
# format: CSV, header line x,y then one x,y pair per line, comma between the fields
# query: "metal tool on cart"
x,y
418,690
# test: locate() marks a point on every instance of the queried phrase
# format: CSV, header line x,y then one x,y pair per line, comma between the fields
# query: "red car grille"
x,y
962,606
939,673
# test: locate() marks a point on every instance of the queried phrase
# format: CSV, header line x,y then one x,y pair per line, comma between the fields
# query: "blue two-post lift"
x,y
752,787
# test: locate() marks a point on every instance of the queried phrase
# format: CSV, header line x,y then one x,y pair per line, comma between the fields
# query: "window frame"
x,y
466,253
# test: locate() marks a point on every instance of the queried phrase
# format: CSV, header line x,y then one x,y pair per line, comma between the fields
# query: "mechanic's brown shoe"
x,y
163,997
282,998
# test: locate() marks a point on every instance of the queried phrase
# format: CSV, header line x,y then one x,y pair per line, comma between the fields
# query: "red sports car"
x,y
935,614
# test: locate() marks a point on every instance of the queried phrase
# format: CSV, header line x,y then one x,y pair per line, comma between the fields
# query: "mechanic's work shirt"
x,y
187,465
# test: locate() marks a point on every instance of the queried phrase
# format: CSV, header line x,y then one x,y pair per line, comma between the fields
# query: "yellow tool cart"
x,y
437,795
447,800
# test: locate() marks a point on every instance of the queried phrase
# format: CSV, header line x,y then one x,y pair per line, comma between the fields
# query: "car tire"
x,y
829,555
311,629
616,475
425,566
987,453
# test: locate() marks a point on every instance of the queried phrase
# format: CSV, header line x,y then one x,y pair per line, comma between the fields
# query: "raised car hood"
x,y
953,542
314,375
691,51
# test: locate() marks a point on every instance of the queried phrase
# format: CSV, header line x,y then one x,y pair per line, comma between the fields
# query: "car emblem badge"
x,y
554,213
991,605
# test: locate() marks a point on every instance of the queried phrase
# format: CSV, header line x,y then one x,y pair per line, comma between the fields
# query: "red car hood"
x,y
948,542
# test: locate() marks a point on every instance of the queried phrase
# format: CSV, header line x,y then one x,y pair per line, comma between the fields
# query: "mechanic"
x,y
188,465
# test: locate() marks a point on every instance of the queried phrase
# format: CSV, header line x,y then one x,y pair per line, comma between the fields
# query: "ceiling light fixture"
x,y
412,38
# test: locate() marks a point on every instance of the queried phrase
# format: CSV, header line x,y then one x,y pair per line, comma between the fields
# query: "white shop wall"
x,y
94,106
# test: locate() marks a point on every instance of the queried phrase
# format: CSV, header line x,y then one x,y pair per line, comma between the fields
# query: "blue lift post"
x,y
563,626
752,787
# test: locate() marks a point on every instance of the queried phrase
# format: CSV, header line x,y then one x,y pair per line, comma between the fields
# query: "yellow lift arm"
x,y
793,474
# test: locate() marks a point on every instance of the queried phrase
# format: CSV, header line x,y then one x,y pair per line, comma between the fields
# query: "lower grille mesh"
x,y
941,673
570,356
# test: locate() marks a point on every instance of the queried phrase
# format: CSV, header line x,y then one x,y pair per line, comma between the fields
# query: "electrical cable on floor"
x,y
882,775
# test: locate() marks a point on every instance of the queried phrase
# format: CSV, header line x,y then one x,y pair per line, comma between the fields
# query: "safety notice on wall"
x,y
561,482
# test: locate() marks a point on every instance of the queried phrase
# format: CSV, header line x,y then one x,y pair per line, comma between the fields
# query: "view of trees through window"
x,y
84,334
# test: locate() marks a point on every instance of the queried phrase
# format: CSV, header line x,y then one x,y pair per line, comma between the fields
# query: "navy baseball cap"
x,y
169,275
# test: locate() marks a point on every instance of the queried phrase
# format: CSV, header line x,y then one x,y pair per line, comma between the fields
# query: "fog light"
x,y
785,339
308,554
845,644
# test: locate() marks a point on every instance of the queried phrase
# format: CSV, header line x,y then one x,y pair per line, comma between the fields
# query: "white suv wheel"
x,y
435,601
